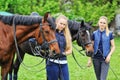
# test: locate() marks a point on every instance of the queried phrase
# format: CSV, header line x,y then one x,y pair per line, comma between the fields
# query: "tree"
x,y
89,10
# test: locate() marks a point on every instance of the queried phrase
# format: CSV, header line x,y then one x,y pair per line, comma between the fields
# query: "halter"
x,y
82,43
80,40
45,44
44,47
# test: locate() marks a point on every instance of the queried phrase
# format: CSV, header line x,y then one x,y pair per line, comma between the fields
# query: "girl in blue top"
x,y
104,46
57,69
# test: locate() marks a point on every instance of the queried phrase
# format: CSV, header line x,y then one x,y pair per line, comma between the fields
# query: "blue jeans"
x,y
101,69
57,71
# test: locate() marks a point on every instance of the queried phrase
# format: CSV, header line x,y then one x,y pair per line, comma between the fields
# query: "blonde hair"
x,y
106,28
66,32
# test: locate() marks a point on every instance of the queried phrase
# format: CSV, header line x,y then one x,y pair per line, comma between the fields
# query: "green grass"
x,y
76,73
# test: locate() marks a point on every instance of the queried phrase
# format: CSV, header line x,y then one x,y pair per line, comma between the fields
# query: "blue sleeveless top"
x,y
61,42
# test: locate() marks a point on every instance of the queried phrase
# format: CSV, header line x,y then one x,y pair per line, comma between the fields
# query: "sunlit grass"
x,y
76,73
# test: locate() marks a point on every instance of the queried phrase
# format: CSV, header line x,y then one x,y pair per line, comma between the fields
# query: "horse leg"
x,y
5,68
4,72
17,63
10,72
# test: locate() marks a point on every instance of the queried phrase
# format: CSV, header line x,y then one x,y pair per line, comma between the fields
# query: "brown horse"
x,y
79,32
25,27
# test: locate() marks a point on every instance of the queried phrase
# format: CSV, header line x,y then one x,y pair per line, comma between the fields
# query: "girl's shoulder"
x,y
95,31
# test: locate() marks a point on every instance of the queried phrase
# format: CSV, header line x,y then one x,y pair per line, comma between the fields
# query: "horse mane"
x,y
25,20
6,19
73,25
20,19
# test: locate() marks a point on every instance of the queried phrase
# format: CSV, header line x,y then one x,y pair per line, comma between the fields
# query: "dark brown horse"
x,y
25,27
79,31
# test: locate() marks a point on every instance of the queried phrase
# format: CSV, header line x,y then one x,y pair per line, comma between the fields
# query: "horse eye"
x,y
47,32
83,35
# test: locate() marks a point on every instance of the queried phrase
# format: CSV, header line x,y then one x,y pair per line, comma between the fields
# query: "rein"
x,y
18,53
75,57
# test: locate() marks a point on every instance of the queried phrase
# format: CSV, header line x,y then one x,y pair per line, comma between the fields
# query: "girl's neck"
x,y
102,29
59,30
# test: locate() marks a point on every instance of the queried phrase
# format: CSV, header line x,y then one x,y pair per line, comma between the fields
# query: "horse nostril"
x,y
89,54
54,51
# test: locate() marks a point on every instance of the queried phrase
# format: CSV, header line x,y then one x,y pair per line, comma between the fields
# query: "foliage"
x,y
89,10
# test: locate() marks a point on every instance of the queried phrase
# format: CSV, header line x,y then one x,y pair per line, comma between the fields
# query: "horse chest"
x,y
5,42
5,49
4,46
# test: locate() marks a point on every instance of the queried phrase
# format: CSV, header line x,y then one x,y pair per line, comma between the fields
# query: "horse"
x,y
80,31
21,28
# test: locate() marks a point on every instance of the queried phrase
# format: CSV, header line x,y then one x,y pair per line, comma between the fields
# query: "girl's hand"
x,y
107,60
89,64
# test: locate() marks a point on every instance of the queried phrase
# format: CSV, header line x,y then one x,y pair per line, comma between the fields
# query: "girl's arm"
x,y
111,51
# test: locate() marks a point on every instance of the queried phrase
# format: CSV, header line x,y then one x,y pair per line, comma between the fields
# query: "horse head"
x,y
46,36
84,38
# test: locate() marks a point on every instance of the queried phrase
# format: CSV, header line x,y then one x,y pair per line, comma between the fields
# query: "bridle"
x,y
43,48
45,44
80,40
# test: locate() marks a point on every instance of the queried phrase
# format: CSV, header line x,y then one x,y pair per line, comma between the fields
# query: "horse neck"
x,y
25,32
74,33
74,27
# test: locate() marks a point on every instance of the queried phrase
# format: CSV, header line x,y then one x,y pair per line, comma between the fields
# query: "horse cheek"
x,y
38,37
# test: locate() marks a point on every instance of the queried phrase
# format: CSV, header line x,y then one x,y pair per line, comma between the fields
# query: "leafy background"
x,y
89,10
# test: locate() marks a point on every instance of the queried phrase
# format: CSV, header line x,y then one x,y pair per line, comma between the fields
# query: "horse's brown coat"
x,y
23,32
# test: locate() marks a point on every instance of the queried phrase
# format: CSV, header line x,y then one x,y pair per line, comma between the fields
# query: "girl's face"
x,y
102,23
61,24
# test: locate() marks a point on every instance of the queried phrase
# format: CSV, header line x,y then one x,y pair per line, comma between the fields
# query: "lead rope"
x,y
37,50
76,60
75,57
78,50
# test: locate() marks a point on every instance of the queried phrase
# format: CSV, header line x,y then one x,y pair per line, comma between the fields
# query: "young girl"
x,y
104,46
58,68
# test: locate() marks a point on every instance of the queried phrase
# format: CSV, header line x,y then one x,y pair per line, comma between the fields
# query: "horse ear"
x,y
47,14
82,23
45,17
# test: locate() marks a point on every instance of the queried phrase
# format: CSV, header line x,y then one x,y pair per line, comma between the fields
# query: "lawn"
x,y
32,69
